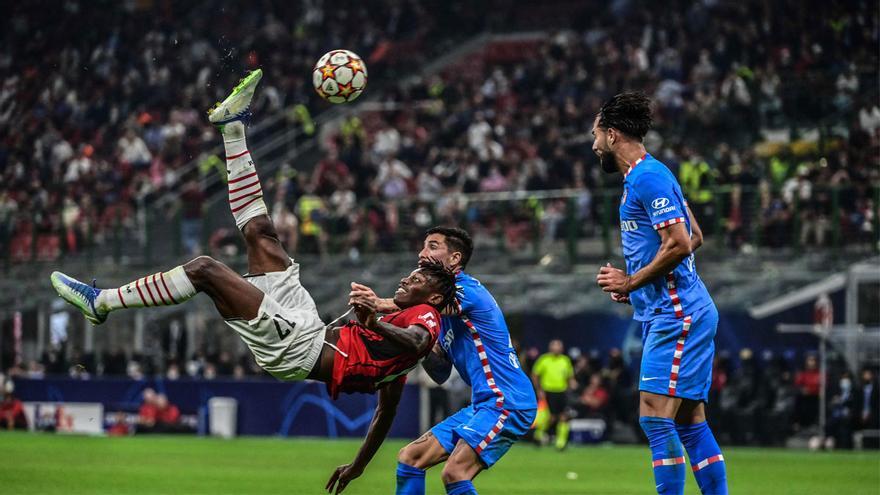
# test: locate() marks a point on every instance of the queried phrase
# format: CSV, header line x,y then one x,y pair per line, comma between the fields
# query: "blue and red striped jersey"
x,y
479,345
652,200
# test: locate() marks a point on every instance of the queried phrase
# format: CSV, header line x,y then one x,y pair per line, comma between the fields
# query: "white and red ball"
x,y
340,76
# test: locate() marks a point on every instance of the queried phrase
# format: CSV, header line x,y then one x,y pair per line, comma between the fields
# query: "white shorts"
x,y
287,334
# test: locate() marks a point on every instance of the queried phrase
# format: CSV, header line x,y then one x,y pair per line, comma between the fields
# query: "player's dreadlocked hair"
x,y
629,113
443,281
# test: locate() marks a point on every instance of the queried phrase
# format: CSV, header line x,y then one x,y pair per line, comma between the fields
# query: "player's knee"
x,y
657,405
449,475
201,270
407,456
455,470
259,227
411,455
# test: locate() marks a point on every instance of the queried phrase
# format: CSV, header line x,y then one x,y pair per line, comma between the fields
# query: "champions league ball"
x,y
340,76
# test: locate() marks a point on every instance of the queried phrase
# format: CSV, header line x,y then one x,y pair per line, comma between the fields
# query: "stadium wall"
x,y
265,407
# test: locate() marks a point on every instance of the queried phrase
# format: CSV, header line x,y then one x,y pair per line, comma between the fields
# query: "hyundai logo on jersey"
x,y
659,203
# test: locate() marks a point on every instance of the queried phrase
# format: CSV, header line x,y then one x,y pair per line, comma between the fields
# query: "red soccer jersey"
x,y
371,360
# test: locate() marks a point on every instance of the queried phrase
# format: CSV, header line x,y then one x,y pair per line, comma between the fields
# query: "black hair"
x,y
629,113
457,239
443,281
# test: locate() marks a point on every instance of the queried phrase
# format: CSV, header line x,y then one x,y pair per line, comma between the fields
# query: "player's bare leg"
x,y
412,461
659,406
690,412
233,296
423,452
264,250
461,468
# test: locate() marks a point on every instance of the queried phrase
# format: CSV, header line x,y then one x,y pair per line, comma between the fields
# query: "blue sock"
x,y
666,454
465,487
706,459
410,480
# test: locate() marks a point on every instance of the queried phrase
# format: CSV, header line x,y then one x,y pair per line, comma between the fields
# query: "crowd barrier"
x,y
265,407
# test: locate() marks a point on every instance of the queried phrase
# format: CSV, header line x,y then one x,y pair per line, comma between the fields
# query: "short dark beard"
x,y
609,164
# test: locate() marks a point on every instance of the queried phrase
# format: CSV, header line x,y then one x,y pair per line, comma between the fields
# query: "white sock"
x,y
159,289
245,191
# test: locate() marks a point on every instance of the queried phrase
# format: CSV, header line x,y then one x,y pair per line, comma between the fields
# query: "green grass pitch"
x,y
59,464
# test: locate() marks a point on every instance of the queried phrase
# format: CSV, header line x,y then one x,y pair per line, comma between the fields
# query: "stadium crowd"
x,y
96,123
722,84
96,129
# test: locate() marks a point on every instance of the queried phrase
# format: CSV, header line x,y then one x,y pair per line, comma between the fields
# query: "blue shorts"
x,y
488,430
677,354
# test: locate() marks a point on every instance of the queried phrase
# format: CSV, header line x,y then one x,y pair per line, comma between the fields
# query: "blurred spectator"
x,y
312,213
173,372
133,151
808,382
168,415
12,413
782,410
239,373
867,405
740,403
593,400
120,426
841,414
618,379
224,364
583,370
210,372
148,412
330,174
192,212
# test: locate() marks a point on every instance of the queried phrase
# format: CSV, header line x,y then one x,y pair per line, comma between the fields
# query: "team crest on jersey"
x,y
623,197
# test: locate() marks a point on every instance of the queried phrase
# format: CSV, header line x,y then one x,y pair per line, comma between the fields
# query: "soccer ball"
x,y
339,76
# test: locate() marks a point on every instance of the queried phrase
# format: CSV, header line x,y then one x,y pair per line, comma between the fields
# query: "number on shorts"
x,y
286,332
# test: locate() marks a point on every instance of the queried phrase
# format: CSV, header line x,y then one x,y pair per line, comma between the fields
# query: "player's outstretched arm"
x,y
696,232
437,365
389,398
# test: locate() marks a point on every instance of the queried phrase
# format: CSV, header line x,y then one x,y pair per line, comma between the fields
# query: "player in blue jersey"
x,y
476,341
660,281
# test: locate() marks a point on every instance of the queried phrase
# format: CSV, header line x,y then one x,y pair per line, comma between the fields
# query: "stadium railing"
x,y
578,223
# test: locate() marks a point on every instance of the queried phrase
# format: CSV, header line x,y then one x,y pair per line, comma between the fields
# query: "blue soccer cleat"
x,y
80,295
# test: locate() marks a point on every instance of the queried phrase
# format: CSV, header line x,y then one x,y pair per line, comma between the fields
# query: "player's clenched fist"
x,y
361,291
365,309
612,279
